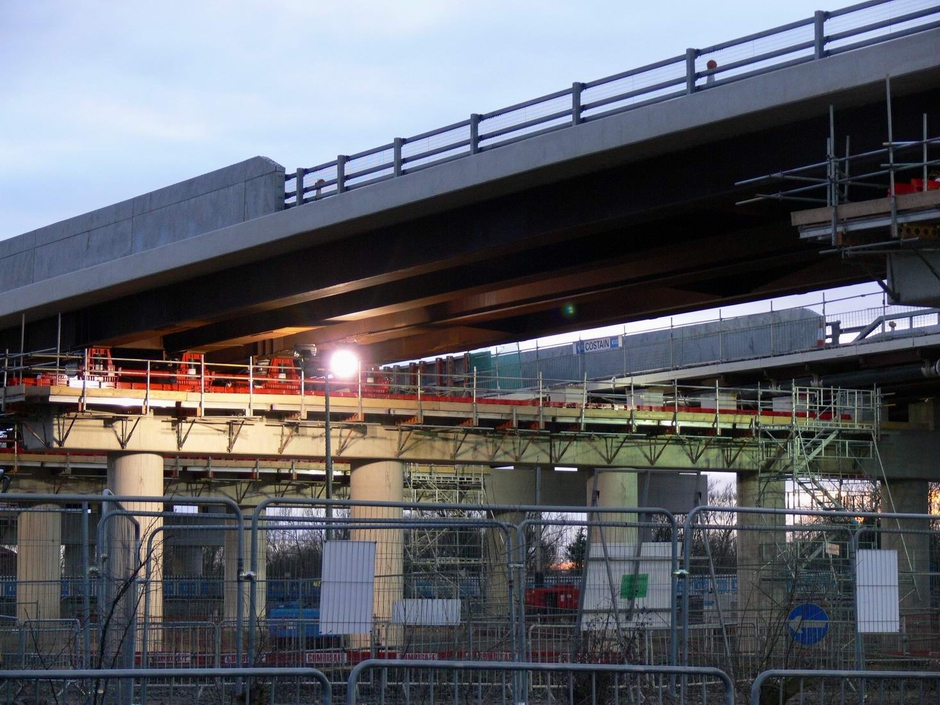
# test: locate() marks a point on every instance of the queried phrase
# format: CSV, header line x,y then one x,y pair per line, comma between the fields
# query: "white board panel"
x,y
426,612
878,597
612,580
347,587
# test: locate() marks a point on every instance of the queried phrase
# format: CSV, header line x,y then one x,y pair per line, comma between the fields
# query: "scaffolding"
x,y
885,200
443,562
437,484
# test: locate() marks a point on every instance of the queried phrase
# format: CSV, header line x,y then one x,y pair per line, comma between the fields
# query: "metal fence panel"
x,y
219,686
409,681
845,687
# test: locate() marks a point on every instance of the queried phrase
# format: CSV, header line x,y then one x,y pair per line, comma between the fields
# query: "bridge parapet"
x,y
823,35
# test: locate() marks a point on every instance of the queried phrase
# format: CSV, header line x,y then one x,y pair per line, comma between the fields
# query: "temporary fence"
x,y
409,681
619,605
845,687
808,589
99,560
218,686
329,584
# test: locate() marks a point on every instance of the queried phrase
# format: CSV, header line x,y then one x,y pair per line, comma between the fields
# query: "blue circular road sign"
x,y
808,624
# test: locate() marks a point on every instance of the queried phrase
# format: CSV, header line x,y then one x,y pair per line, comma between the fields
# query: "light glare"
x,y
344,364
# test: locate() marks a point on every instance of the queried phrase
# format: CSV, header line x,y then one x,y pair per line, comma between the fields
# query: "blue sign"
x,y
596,345
808,624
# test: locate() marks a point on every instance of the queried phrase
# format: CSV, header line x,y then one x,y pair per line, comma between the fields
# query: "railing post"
x,y
541,404
202,385
341,173
146,408
717,409
721,349
576,89
690,56
672,352
396,158
475,410
773,325
675,404
794,397
251,383
81,401
301,173
419,410
474,133
819,34
6,378
633,406
583,400
359,388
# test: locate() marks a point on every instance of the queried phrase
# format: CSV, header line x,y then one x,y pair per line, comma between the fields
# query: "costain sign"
x,y
596,345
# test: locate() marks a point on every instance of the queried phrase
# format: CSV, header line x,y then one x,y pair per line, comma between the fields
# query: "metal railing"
x,y
162,685
814,38
791,594
496,395
845,687
462,681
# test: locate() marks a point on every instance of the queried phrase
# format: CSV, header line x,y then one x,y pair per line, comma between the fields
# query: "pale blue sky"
x,y
102,100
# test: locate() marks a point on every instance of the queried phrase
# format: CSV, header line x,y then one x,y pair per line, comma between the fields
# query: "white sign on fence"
x,y
637,585
597,345
879,603
348,587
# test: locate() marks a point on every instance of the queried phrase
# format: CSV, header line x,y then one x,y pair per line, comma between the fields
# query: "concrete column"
x,y
38,569
139,474
505,486
498,560
912,544
381,482
762,565
614,488
232,587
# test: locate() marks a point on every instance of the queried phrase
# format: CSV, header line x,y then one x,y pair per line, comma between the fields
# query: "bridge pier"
x,y
607,489
141,475
38,574
233,590
762,567
498,561
909,496
381,481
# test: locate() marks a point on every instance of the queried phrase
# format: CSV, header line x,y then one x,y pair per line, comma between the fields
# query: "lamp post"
x,y
327,449
343,364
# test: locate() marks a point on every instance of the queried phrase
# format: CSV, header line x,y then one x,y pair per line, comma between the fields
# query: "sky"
x,y
103,100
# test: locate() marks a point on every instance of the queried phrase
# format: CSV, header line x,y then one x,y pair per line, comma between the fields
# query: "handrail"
x,y
693,71
454,392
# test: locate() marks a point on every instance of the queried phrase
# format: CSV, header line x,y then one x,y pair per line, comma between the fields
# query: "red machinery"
x,y
552,600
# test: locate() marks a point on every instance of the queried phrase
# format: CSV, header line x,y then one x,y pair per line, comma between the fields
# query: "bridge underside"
x,y
646,229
